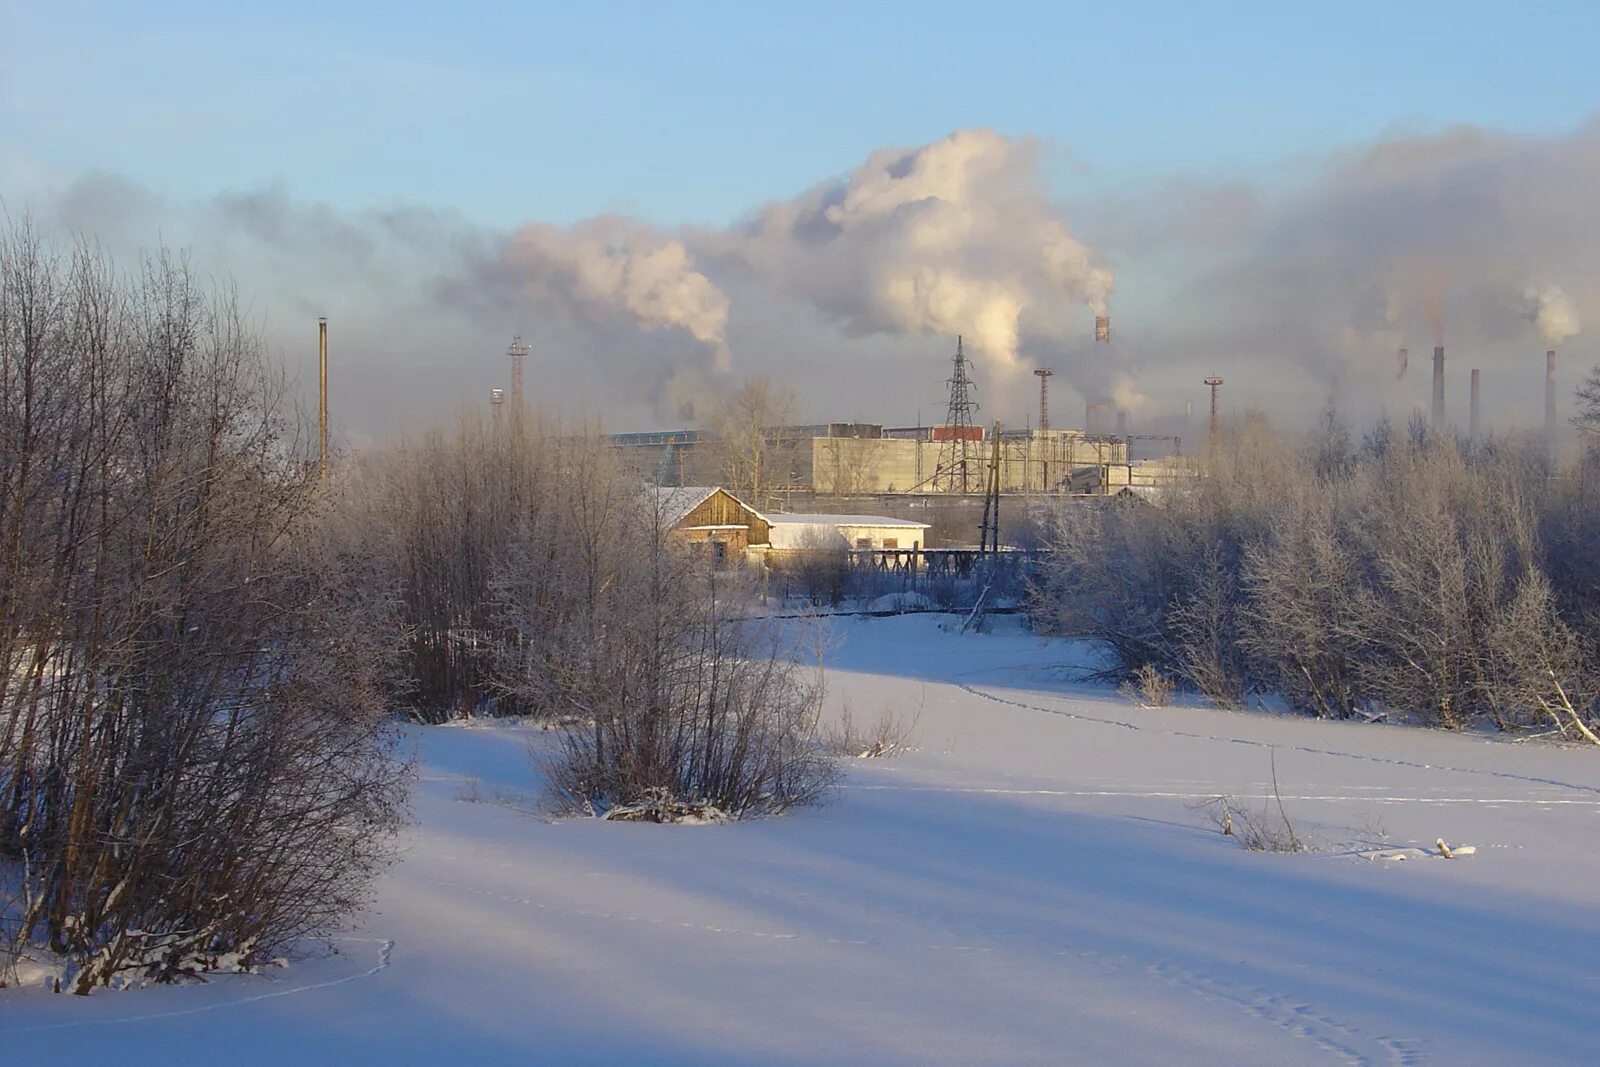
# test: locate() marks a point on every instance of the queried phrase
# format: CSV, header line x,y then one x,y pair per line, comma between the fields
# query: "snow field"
x,y
1032,883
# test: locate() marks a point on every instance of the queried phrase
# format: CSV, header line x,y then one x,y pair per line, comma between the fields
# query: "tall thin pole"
x,y
1550,398
1472,409
989,528
518,352
1215,383
1438,386
1044,374
994,467
322,389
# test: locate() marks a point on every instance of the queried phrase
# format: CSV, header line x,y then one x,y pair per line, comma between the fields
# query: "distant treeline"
x,y
1408,572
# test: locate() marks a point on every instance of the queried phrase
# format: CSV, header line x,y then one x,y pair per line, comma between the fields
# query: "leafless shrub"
x,y
195,761
888,734
1302,584
683,696
658,804
1407,575
1206,626
1149,687
1265,830
819,570
1261,829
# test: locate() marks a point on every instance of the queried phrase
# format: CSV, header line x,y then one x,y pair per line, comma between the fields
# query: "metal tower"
x,y
954,472
1215,384
1044,374
517,352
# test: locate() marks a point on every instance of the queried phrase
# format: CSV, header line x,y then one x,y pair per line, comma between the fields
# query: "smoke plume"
x,y
610,266
1315,283
1552,312
1289,288
953,237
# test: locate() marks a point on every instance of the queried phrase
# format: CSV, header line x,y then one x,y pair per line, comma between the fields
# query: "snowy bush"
x,y
194,760
887,735
1406,575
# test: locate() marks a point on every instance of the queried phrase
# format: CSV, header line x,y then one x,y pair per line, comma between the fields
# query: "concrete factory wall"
x,y
1037,461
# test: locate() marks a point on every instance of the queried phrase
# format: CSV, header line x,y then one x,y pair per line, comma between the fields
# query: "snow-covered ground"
x,y
1031,884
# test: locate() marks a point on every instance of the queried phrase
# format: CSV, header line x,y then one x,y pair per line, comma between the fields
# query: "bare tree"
x,y
754,454
194,756
1302,583
1407,575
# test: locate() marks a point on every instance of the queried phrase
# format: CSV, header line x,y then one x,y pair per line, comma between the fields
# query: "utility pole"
x,y
1215,383
322,390
989,528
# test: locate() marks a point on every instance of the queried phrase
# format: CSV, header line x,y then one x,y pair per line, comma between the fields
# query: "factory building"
x,y
853,459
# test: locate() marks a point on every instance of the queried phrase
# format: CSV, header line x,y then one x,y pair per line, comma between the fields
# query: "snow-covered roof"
x,y
794,519
676,501
818,531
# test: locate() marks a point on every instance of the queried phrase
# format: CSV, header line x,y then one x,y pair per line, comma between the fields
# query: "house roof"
x,y
794,519
817,531
789,530
678,501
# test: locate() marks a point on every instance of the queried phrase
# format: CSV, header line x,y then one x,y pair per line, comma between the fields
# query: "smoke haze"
x,y
1293,288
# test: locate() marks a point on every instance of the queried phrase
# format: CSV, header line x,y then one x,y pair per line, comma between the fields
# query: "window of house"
x,y
891,542
863,542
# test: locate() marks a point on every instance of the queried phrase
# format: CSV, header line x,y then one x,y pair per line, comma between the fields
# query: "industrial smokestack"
x,y
1102,328
322,390
1402,363
1438,386
1550,397
1122,424
1094,418
1472,411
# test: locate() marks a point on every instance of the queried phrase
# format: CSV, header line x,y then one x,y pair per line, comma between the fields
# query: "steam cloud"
x,y
1289,290
1311,287
954,237
610,266
1553,313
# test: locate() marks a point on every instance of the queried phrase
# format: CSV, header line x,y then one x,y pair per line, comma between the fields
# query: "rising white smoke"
x,y
1552,312
955,237
1281,289
609,265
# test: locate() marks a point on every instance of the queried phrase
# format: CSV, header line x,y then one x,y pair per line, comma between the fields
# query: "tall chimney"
x,y
1215,383
1550,397
322,389
1402,363
1102,328
1472,412
1438,386
1094,418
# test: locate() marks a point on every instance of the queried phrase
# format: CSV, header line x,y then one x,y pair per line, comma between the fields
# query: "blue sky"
x,y
697,112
